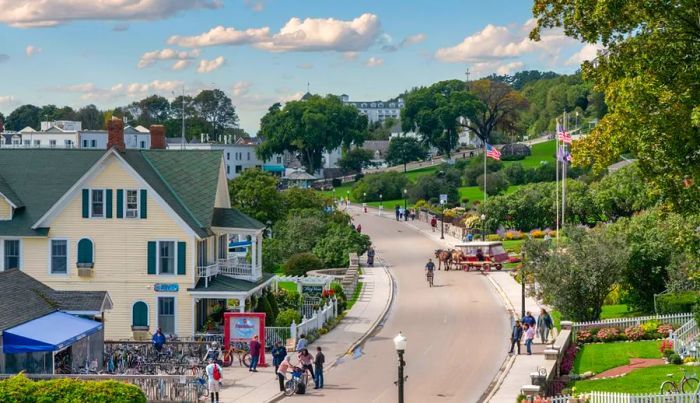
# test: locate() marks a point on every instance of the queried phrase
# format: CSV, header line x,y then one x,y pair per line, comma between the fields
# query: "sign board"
x,y
443,198
242,326
312,290
166,287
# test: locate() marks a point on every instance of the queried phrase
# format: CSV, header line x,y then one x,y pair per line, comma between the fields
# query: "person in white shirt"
x,y
214,376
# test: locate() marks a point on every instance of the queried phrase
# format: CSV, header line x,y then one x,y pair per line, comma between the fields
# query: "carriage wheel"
x,y
499,267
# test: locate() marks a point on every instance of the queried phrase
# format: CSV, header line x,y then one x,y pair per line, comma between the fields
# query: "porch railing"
x,y
232,267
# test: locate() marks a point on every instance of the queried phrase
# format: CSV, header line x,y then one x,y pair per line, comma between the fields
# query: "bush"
x,y
585,336
493,237
514,152
476,169
607,334
336,182
495,183
388,184
19,389
537,233
676,302
664,329
430,187
675,359
263,306
286,317
634,333
299,264
339,241
513,235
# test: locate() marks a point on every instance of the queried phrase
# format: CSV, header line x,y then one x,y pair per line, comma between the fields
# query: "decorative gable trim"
x,y
7,199
222,186
74,191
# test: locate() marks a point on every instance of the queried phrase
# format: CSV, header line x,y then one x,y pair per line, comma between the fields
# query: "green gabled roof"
x,y
6,191
38,178
232,218
223,283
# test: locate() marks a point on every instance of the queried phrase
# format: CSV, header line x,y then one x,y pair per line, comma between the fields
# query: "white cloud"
x,y
8,102
350,55
32,50
150,58
255,5
297,35
509,67
90,91
241,88
502,42
374,61
305,66
46,13
407,41
587,52
207,66
180,65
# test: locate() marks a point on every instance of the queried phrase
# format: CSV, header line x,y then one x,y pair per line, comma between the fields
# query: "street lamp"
x,y
522,280
483,222
400,345
442,223
380,201
269,228
405,193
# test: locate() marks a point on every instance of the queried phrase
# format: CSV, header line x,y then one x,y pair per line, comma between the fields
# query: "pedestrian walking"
x,y
301,343
158,340
359,228
306,360
214,377
370,256
282,371
529,320
278,354
433,223
544,325
397,211
515,335
406,213
318,363
254,349
529,337
413,214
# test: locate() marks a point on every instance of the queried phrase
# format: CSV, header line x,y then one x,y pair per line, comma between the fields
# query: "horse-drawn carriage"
x,y
479,255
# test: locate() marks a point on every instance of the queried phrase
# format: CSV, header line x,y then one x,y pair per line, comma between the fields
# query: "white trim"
x,y
138,203
167,295
175,256
46,219
104,203
8,200
67,273
77,249
148,312
2,251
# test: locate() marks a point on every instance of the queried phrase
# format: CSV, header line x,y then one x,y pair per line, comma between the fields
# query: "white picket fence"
x,y
685,339
677,320
611,397
312,322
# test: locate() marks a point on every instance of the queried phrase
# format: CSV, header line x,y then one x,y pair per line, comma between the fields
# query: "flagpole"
x,y
563,177
556,186
484,173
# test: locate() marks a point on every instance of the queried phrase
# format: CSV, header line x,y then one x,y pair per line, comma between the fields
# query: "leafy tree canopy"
x,y
309,128
649,73
255,193
403,150
23,116
355,159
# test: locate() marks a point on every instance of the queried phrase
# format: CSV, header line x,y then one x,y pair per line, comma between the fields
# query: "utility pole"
x,y
466,73
183,118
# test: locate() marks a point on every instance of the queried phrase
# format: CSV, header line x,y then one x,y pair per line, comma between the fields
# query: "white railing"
x,y
677,320
233,267
275,334
613,397
684,339
315,322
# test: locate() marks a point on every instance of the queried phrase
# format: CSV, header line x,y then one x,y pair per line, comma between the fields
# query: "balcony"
x,y
234,267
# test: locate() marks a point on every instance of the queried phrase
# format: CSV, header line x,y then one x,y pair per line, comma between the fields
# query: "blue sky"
x,y
111,52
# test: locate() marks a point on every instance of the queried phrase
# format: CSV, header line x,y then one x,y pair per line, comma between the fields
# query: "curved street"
x,y
457,331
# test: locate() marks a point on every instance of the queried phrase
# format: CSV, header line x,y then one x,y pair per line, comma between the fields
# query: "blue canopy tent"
x,y
52,332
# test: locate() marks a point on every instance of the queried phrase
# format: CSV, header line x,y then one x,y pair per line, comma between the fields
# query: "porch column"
x,y
260,252
241,305
254,257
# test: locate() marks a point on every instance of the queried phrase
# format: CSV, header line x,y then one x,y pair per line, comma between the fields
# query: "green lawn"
x,y
600,357
287,285
513,246
643,380
617,311
414,174
355,295
540,152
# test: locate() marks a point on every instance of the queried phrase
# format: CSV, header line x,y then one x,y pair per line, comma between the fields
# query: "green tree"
x,y
502,108
622,193
355,159
649,72
255,193
297,198
309,128
338,242
91,117
301,263
151,110
403,150
435,113
521,78
496,183
430,187
388,184
23,116
214,107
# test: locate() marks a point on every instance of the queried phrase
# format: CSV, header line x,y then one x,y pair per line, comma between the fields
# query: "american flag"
x,y
564,135
492,152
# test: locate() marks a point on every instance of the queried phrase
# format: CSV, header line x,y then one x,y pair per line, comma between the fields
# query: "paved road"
x,y
456,330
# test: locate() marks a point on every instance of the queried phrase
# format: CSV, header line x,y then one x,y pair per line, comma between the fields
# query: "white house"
x,y
377,111
134,137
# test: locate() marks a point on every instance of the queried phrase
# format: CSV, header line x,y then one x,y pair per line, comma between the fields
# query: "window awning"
x,y
273,168
49,333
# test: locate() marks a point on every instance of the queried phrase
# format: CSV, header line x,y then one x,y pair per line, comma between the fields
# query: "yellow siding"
x,y
5,209
121,254
222,196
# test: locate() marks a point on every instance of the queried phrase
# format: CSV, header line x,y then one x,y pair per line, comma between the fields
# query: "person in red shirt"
x,y
254,349
433,223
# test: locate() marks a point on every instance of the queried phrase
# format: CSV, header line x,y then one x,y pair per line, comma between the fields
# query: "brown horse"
x,y
443,256
457,256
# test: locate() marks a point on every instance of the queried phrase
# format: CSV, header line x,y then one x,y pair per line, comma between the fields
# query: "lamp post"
x,y
269,228
405,193
442,224
522,281
483,223
400,345
381,205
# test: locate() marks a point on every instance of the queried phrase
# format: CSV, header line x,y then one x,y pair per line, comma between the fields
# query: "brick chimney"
x,y
115,134
157,137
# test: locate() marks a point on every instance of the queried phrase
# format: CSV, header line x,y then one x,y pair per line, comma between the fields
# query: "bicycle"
x,y
687,384
240,352
298,381
429,276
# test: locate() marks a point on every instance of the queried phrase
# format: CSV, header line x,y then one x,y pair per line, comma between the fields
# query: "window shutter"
x,y
151,257
85,251
181,257
108,203
86,203
120,203
139,314
144,203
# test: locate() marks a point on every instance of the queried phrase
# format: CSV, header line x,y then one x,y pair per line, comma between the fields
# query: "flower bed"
x,y
648,331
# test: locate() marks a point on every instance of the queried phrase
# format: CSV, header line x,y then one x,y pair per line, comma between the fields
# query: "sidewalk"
x,y
370,308
517,368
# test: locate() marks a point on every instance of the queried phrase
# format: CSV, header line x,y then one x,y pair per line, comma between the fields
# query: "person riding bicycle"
x,y
213,353
429,268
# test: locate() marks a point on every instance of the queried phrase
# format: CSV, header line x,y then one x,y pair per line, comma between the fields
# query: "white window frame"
x,y
52,143
37,143
85,143
2,252
142,144
104,203
157,311
158,267
50,253
138,203
93,143
68,143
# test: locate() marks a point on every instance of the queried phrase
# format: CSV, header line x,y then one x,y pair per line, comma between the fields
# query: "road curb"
x,y
364,337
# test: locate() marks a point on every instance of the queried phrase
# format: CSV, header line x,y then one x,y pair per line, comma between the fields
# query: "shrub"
x,y
514,152
567,362
430,187
286,317
388,184
676,302
21,389
476,169
675,359
495,183
537,233
666,347
514,235
664,329
585,336
634,333
607,334
336,182
493,237
299,264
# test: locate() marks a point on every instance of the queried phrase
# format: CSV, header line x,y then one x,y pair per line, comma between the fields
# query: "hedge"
x,y
680,302
20,389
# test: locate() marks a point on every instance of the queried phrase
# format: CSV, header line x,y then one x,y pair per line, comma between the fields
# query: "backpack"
x,y
216,374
